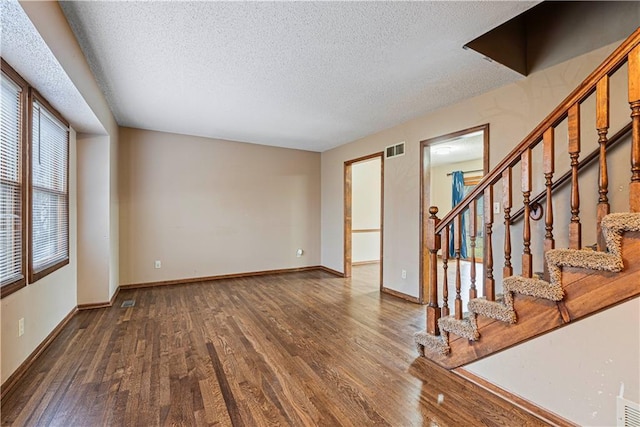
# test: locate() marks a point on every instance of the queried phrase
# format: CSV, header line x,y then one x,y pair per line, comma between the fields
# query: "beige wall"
x,y
42,304
365,209
45,303
54,29
206,207
512,111
114,216
93,219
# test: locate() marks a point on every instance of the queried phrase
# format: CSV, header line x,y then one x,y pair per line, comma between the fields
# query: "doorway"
x,y
363,215
451,166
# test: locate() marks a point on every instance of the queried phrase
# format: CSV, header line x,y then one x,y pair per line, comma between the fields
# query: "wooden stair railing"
x,y
439,231
551,186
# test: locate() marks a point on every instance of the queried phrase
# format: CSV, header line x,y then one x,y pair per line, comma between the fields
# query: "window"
x,y
48,193
12,245
34,195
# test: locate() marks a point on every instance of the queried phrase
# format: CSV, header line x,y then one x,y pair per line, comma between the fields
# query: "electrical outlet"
x,y
21,327
404,274
496,207
158,264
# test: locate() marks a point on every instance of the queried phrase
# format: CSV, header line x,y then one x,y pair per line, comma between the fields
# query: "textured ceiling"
x,y
308,75
456,150
23,48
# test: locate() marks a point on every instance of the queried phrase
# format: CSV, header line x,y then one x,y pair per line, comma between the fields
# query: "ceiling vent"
x,y
394,150
628,413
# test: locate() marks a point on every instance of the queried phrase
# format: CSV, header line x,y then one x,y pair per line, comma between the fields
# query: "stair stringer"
x,y
586,292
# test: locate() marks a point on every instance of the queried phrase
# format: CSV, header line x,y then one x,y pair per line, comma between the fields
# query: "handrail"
x,y
588,159
583,91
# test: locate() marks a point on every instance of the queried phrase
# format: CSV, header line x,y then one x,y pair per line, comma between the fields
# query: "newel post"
x,y
433,244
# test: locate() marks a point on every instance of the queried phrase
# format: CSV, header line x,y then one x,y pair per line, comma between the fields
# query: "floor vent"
x,y
128,303
628,413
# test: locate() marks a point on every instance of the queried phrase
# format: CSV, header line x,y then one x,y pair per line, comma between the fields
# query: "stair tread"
x,y
534,287
464,327
497,310
582,258
427,342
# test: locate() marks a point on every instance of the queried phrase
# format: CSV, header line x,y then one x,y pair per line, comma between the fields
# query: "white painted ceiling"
x,y
307,75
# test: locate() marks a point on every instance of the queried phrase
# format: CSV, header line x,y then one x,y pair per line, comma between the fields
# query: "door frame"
x,y
425,175
347,203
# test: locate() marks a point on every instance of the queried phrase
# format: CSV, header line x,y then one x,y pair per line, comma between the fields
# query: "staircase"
x,y
575,282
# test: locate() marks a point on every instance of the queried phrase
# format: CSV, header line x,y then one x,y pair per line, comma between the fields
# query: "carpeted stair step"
x,y
465,327
498,309
613,226
431,343
581,258
534,287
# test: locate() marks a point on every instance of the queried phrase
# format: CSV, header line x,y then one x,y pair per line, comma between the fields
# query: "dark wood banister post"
x,y
548,160
433,244
527,257
634,102
457,247
507,270
489,290
473,293
575,227
602,126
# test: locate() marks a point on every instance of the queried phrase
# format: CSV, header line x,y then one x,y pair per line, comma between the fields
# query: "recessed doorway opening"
x,y
451,166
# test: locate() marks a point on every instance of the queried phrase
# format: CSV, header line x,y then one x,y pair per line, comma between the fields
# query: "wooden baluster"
x,y
457,244
506,206
527,259
548,153
602,125
575,228
473,293
489,282
634,102
433,244
548,160
445,266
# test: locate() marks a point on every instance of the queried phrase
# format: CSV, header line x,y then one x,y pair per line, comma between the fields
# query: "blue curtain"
x,y
457,194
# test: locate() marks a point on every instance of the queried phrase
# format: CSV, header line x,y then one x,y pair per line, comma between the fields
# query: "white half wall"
x,y
575,371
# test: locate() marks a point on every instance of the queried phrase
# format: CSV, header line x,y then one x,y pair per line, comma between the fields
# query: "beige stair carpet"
x,y
613,227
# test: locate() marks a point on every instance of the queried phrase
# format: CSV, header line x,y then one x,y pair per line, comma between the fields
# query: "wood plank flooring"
x,y
292,349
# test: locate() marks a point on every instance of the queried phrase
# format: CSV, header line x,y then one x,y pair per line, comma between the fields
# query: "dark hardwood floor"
x,y
291,349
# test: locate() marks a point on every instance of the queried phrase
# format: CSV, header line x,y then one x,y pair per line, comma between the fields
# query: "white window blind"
x,y
11,239
49,197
